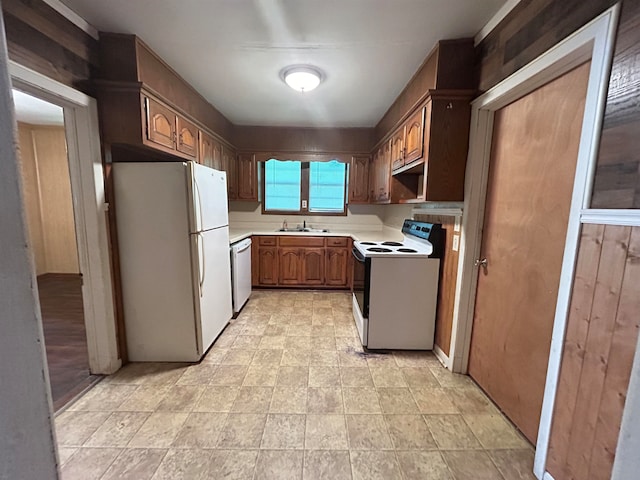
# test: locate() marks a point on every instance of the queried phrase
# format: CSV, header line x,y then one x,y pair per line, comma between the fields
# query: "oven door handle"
x,y
358,255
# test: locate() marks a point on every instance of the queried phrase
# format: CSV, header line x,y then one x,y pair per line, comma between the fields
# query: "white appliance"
x,y
241,273
395,289
173,237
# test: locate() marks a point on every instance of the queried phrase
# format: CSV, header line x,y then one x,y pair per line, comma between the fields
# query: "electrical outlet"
x,y
456,243
304,204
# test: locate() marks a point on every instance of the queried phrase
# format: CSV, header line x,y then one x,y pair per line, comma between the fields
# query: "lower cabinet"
x,y
301,261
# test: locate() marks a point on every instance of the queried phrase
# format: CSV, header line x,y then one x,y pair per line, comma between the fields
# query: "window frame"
x,y
305,161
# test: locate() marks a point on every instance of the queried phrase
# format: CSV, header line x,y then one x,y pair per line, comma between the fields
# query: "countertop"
x,y
237,234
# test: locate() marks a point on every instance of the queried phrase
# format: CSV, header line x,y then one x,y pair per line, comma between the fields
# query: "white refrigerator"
x,y
173,238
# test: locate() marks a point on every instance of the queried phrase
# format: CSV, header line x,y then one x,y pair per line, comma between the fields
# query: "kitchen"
x,y
392,216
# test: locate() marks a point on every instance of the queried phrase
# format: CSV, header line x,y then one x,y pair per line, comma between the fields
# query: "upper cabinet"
x,y
414,137
187,138
160,124
247,169
359,179
230,164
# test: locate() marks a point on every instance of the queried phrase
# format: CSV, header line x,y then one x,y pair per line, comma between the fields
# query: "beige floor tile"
x,y
145,398
325,400
325,432
351,359
254,329
381,360
293,377
282,317
261,376
326,464
197,374
295,358
471,465
298,319
471,400
299,343
89,463
215,355
200,430
229,375
232,464
253,400
284,431
267,357
324,376
416,359
242,430
64,453
181,398
225,341
132,374
238,357
451,432
397,400
420,465
450,380
410,432
419,377
494,431
344,330
135,464
269,342
374,465
250,342
159,430
387,377
322,308
216,399
356,377
183,464
104,397
300,329
289,400
117,430
276,330
279,465
165,374
514,464
322,330
74,428
324,343
367,432
361,400
433,400
350,344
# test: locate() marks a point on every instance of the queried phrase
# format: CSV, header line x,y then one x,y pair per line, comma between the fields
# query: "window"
x,y
305,187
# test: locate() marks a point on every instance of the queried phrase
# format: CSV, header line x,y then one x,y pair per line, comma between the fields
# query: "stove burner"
x,y
392,244
379,250
367,243
407,250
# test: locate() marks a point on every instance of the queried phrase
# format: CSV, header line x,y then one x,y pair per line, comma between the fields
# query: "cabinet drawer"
x,y
301,241
267,241
337,241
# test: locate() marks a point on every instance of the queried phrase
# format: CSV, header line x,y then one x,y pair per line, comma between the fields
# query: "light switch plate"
x,y
456,225
456,243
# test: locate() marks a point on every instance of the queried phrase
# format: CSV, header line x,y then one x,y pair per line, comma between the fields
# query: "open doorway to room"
x,y
49,211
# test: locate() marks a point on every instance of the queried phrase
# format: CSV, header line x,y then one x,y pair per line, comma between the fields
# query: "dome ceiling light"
x,y
302,78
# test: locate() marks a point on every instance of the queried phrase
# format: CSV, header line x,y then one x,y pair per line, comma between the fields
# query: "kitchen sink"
x,y
306,229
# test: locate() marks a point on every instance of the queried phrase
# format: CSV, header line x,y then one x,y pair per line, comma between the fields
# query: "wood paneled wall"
x,y
448,278
48,201
598,354
40,38
533,27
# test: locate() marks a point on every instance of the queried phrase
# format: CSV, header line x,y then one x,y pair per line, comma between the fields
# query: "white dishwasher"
x,y
241,273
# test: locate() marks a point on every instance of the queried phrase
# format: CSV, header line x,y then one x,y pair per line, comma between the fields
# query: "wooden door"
x,y
337,267
161,124
414,138
268,266
532,169
290,269
230,166
397,149
187,140
205,154
247,177
359,179
312,266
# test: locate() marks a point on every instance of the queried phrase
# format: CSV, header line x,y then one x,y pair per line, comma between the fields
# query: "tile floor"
x,y
287,393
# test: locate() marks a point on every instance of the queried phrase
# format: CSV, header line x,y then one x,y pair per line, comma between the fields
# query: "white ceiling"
x,y
232,51
35,111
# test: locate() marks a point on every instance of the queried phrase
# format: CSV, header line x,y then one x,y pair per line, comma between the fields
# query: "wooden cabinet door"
x,y
230,166
161,124
385,174
337,261
414,137
359,179
247,177
290,266
205,153
397,149
312,266
267,266
187,139
216,152
373,176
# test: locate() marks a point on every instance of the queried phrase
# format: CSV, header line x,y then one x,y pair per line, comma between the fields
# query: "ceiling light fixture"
x,y
302,78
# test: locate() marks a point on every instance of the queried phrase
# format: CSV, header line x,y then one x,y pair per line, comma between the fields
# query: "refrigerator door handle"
x,y
197,204
201,262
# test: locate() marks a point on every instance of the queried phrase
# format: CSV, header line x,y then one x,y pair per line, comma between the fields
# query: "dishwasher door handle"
x,y
243,248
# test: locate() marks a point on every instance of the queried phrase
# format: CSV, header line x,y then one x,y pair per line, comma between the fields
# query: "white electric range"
x,y
395,288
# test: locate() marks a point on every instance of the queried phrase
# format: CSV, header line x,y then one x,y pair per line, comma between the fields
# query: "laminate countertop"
x,y
237,234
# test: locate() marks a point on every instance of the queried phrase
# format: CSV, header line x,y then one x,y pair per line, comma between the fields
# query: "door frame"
x,y
89,210
595,42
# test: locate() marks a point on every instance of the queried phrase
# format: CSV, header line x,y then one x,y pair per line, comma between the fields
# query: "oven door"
x,y
361,275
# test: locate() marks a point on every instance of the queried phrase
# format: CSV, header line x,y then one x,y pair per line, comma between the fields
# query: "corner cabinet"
x,y
301,261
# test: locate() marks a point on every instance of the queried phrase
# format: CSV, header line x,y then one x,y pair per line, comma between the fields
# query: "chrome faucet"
x,y
304,224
